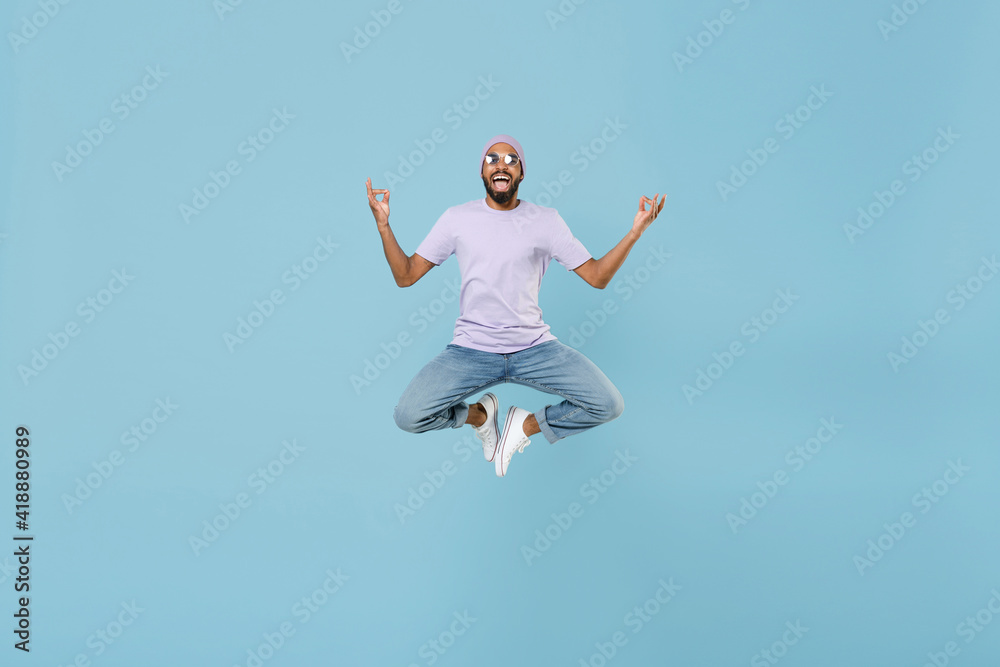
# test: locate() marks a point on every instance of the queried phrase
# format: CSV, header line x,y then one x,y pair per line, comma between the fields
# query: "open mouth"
x,y
501,182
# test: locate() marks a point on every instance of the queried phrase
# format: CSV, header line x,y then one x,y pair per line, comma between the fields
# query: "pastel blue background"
x,y
335,506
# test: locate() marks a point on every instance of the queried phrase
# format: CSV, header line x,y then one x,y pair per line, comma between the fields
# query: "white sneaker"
x,y
489,432
512,439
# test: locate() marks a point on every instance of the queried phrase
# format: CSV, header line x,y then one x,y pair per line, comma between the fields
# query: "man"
x,y
503,246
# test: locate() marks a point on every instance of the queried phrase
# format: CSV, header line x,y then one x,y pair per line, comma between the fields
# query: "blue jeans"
x,y
434,398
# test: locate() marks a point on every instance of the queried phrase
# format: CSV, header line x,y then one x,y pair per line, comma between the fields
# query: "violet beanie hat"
x,y
505,139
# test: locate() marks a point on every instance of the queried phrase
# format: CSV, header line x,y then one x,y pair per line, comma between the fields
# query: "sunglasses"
x,y
510,158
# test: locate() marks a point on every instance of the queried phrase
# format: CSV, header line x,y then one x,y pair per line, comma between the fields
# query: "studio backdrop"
x,y
202,344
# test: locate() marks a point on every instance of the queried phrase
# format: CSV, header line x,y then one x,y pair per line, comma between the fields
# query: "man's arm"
x,y
599,272
406,269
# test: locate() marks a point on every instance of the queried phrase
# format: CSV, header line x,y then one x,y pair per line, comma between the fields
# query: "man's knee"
x,y
405,419
613,407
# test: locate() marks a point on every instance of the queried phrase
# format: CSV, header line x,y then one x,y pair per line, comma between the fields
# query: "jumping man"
x,y
503,246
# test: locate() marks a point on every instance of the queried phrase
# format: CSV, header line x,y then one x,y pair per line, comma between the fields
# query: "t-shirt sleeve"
x,y
566,248
439,244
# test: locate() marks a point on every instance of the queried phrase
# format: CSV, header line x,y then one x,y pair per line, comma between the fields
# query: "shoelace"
x,y
489,443
524,442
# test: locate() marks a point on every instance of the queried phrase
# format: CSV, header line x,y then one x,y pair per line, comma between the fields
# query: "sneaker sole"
x,y
503,439
496,425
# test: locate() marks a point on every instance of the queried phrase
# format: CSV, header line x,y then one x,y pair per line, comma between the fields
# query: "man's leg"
x,y
590,398
433,399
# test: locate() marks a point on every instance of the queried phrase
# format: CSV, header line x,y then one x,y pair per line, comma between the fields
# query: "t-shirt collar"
x,y
516,209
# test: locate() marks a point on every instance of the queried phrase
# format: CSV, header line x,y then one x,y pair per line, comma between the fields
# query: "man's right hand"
x,y
380,209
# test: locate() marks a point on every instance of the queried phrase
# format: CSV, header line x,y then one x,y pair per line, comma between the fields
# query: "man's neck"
x,y
510,206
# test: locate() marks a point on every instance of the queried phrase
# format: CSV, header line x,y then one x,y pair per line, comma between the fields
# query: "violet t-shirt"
x,y
502,256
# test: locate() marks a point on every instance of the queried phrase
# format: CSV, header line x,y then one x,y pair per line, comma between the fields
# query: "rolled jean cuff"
x,y
461,414
543,425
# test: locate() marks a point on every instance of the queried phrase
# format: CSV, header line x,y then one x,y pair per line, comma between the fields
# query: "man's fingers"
x,y
656,205
371,190
374,192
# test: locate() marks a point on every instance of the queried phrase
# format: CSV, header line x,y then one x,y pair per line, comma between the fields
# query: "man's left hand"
x,y
644,218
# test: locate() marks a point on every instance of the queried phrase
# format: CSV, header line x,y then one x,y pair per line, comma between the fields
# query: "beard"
x,y
501,198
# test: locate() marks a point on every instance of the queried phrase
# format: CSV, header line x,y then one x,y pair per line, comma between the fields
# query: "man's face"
x,y
499,190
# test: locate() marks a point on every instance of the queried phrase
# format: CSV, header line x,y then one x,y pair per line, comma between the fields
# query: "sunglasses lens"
x,y
509,158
